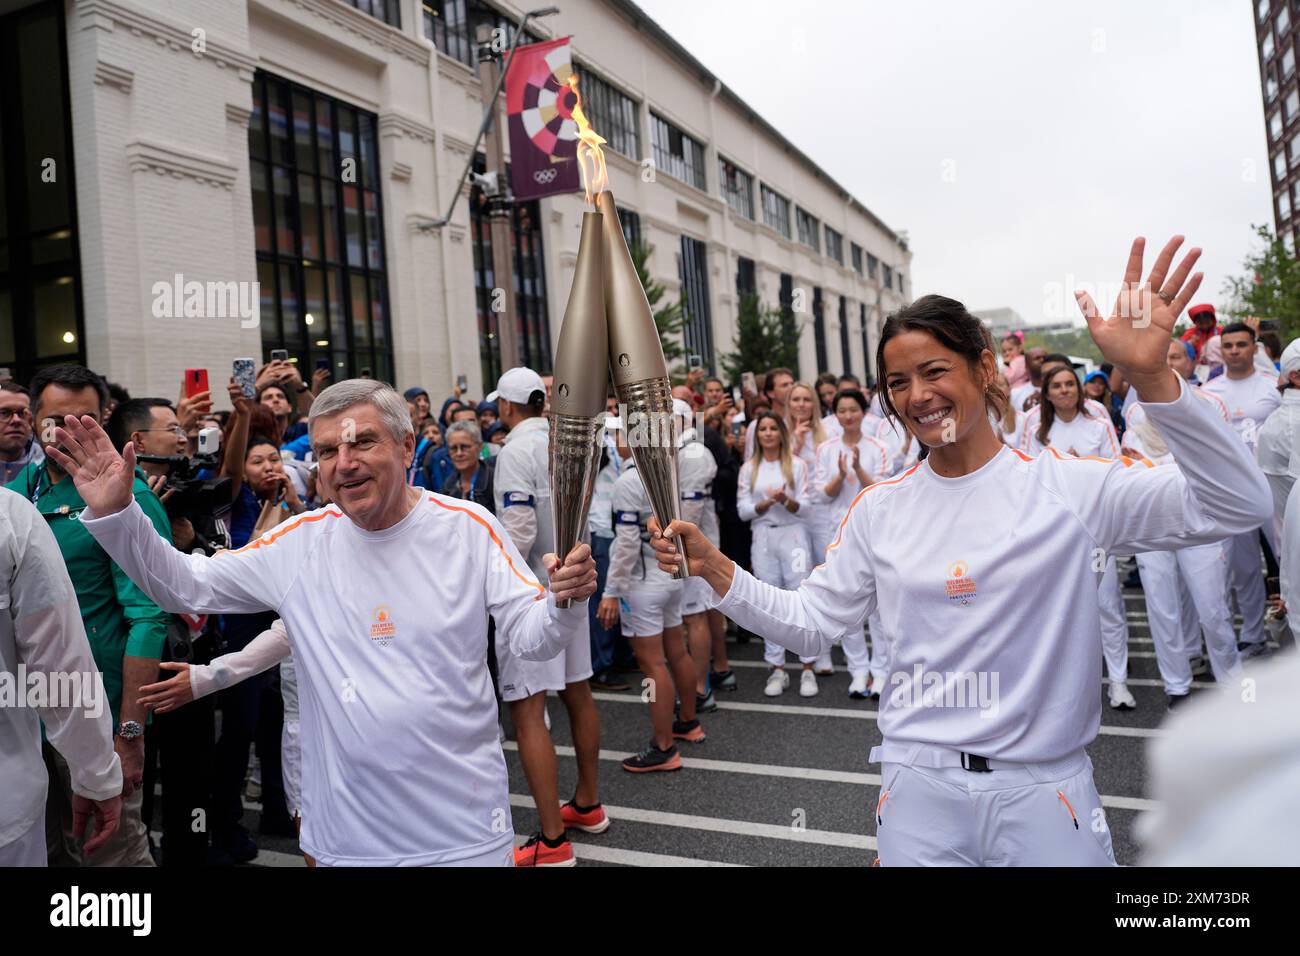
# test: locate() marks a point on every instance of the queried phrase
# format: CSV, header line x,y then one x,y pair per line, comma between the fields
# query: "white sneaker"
x,y
1120,698
546,718
808,684
858,688
777,681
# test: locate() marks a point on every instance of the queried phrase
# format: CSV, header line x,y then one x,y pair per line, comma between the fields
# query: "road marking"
x,y
269,858
690,821
806,773
864,714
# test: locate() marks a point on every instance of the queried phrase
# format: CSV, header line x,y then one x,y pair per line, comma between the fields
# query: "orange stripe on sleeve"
x,y
839,532
282,530
497,541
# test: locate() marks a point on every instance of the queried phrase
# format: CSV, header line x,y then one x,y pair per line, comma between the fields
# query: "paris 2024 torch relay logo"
x,y
960,586
382,628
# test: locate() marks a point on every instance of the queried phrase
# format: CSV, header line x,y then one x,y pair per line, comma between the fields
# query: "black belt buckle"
x,y
975,763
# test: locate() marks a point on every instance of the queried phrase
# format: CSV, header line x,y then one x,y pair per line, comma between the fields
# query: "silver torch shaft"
x,y
577,425
640,374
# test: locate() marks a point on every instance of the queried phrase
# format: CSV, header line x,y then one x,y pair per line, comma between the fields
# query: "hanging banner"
x,y
543,133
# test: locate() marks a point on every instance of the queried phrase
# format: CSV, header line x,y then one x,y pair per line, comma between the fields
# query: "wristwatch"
x,y
302,387
130,729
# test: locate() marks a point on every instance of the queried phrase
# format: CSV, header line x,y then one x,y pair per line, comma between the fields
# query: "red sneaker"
x,y
537,853
593,821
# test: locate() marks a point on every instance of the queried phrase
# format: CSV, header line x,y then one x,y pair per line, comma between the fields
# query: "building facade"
x,y
187,182
1276,37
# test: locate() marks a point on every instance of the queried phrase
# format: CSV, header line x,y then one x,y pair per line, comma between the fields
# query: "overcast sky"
x,y
1021,145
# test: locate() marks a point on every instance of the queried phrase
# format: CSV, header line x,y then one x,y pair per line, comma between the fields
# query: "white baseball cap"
x,y
1290,361
517,385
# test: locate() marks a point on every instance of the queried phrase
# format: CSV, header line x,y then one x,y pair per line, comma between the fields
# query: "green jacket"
x,y
120,619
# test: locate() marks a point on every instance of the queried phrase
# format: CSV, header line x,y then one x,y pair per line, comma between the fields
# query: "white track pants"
x,y
1246,575
1035,815
1114,625
1190,622
781,555
1204,567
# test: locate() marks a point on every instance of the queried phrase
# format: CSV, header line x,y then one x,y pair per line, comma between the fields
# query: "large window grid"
x,y
873,266
887,276
737,188
697,330
318,223
41,319
611,113
845,357
810,229
834,245
389,11
855,255
789,323
631,223
532,322
746,278
451,26
776,210
819,330
676,153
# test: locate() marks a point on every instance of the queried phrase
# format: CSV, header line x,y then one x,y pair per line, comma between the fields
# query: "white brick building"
x,y
224,165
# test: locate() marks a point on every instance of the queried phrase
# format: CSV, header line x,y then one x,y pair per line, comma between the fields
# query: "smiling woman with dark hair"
x,y
993,696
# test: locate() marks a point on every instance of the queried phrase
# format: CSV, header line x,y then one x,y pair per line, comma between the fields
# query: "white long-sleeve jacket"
x,y
389,637
43,640
995,574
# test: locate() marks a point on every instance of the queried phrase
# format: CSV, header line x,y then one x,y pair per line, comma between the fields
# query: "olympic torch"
x,y
578,394
636,362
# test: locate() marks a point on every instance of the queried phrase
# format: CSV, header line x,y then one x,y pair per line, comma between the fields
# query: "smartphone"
x,y
736,396
196,380
245,372
322,364
748,383
4,374
279,355
462,383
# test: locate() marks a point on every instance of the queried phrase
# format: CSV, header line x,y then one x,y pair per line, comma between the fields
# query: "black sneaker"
x,y
1177,700
652,758
688,730
237,843
722,680
705,704
606,680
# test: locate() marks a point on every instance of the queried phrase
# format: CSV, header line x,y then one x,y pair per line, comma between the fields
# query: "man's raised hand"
x,y
103,477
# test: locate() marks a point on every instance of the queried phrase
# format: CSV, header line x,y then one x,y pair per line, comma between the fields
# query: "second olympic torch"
x,y
636,363
578,394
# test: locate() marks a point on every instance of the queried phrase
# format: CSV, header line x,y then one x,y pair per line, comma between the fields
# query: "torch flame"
x,y
591,158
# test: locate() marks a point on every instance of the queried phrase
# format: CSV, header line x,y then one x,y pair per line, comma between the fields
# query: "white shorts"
x,y
520,679
647,613
696,596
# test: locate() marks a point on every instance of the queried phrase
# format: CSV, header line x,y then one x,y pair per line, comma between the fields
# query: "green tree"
x,y
670,317
1068,341
1269,287
763,340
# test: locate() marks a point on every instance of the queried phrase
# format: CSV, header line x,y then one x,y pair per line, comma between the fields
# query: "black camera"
x,y
204,502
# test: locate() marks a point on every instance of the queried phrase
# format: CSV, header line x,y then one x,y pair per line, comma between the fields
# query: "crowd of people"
x,y
204,583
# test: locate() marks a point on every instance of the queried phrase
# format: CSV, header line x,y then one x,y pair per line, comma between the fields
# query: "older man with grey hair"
x,y
401,761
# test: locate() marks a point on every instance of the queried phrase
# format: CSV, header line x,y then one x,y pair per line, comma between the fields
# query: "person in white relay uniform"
x,y
42,637
1278,447
1195,575
845,465
808,433
993,697
1251,397
1071,424
696,470
648,602
522,496
401,763
772,495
